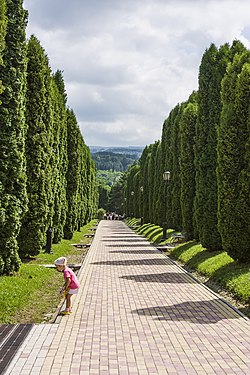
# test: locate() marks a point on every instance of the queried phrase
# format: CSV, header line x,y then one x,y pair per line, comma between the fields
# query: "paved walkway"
x,y
137,313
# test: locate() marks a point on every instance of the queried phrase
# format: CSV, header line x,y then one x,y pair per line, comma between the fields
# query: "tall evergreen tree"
x,y
170,149
175,182
187,169
152,182
75,169
166,207
158,193
38,151
91,193
3,22
212,70
234,157
59,159
143,162
13,197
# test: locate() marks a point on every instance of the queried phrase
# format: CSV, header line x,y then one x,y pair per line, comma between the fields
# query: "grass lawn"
x,y
32,295
216,269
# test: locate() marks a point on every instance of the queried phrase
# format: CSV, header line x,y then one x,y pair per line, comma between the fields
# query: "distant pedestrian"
x,y
71,284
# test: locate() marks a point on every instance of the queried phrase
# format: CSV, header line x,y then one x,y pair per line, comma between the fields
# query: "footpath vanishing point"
x,y
137,313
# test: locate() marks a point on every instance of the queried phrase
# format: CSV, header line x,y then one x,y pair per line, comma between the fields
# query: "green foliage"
x,y
37,190
234,159
15,295
152,178
106,160
108,177
187,169
13,199
116,202
58,77
218,266
212,69
205,146
103,192
25,296
100,213
58,158
3,23
82,191
145,182
174,219
38,150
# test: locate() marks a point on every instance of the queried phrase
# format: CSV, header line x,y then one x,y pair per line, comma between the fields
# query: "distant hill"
x,y
115,158
137,150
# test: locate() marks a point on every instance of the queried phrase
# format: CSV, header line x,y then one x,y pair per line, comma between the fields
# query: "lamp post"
x,y
48,248
132,200
141,189
166,178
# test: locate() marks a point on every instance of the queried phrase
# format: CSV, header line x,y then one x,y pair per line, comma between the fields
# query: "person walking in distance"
x,y
71,284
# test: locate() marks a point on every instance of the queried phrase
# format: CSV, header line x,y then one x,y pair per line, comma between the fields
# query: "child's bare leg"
x,y
68,301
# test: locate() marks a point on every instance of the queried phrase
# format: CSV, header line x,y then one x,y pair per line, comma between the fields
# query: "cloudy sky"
x,y
127,63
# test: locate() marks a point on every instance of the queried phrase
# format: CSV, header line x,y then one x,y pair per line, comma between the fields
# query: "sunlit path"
x,y
137,313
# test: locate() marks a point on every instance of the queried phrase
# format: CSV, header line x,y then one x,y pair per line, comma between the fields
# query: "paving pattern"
x,y
137,313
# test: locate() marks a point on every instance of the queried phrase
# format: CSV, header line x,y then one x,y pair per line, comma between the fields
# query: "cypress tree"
x,y
13,199
92,190
2,45
3,22
143,162
212,70
187,169
166,166
234,157
152,182
158,194
175,182
170,142
38,151
73,172
132,190
58,99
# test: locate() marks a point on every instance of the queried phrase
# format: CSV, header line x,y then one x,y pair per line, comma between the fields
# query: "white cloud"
x,y
127,63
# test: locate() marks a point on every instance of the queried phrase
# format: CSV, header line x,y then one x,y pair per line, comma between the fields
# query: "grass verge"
x,y
217,266
216,269
32,294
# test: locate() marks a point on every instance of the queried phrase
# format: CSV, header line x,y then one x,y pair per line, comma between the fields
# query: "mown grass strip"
x,y
217,266
32,294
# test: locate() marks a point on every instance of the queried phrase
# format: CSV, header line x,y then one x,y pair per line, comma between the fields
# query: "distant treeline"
x,y
106,160
47,175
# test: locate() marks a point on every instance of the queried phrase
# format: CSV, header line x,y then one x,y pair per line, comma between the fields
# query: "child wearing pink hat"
x,y
71,284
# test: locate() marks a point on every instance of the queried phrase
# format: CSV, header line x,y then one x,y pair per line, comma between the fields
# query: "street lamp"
x,y
141,189
166,178
48,247
132,195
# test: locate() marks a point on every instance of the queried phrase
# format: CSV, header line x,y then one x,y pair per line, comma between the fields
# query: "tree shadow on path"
x,y
165,277
134,262
202,312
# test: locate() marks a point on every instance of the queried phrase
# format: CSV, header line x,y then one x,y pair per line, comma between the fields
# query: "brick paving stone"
x,y
137,312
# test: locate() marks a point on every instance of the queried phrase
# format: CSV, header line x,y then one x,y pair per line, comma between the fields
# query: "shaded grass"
x,y
153,232
32,294
218,266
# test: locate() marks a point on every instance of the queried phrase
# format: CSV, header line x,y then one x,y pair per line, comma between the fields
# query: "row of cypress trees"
x,y
205,145
47,175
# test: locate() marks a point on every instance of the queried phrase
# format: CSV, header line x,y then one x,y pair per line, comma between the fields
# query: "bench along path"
x,y
137,313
